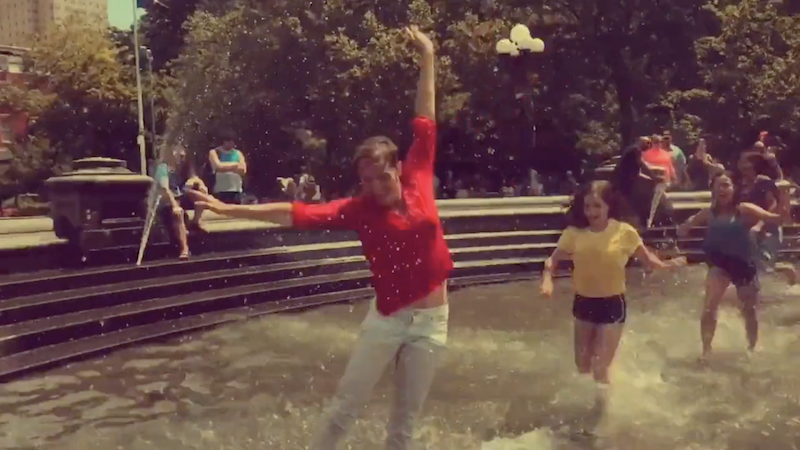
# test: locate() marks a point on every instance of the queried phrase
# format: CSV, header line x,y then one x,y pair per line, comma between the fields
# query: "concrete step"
x,y
58,326
54,303
19,364
52,330
464,247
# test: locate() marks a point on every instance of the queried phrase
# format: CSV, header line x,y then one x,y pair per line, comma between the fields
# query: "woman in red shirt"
x,y
397,221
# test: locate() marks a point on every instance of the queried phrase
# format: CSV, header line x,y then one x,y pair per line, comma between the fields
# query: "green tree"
x,y
33,162
749,68
91,112
163,28
261,69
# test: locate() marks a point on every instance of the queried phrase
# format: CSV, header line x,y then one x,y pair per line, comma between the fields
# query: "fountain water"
x,y
658,194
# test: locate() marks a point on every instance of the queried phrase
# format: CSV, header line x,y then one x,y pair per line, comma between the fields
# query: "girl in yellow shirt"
x,y
599,247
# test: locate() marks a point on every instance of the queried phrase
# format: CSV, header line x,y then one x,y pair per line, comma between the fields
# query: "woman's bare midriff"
x,y
433,300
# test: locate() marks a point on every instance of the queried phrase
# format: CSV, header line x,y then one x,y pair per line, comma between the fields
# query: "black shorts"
x,y
166,216
600,311
740,272
186,203
232,198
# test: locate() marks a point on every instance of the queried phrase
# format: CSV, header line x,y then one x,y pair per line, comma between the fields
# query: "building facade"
x,y
13,123
22,20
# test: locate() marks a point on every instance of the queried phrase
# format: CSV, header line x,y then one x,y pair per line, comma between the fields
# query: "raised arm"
x,y
421,155
426,87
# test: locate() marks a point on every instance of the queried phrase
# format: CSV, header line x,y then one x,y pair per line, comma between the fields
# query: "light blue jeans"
x,y
412,341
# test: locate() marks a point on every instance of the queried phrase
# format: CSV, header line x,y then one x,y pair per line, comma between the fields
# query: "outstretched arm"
x,y
652,261
783,213
277,213
336,215
698,220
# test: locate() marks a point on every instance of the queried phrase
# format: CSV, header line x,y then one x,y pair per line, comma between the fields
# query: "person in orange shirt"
x,y
660,159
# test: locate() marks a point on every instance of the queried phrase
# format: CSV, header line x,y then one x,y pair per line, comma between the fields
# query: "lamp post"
x,y
515,55
149,55
139,100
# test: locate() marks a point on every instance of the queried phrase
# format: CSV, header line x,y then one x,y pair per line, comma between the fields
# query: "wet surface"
x,y
508,381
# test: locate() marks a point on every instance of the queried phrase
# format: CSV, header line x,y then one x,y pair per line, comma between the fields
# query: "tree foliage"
x,y
80,95
300,81
749,75
34,161
94,92
339,71
163,30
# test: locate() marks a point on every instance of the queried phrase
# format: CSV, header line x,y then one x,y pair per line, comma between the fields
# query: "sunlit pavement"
x,y
507,382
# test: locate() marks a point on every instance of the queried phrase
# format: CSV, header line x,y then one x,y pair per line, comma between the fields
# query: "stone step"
x,y
464,247
55,329
19,364
102,295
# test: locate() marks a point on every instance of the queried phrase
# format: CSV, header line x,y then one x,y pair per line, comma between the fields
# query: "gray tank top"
x,y
728,235
228,181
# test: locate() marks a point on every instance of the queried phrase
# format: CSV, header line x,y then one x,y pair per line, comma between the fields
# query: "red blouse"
x,y
660,158
407,254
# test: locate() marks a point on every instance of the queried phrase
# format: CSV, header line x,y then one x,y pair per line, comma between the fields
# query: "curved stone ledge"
x,y
49,317
19,225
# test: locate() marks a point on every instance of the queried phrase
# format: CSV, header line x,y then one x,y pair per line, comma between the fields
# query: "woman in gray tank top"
x,y
730,254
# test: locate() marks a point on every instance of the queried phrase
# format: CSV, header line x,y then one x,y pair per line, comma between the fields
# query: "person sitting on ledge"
x,y
398,223
174,174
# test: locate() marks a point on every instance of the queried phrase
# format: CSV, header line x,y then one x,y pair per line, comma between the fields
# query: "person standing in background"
x,y
701,167
659,160
229,168
678,159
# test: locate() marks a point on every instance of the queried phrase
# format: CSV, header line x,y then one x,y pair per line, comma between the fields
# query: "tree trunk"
x,y
623,82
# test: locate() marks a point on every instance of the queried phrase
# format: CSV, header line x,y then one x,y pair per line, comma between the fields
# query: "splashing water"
x,y
507,382
658,194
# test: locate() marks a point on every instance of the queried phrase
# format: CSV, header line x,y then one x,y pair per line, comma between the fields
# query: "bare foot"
x,y
602,397
704,357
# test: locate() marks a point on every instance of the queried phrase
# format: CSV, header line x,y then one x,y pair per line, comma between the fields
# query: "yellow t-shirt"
x,y
600,257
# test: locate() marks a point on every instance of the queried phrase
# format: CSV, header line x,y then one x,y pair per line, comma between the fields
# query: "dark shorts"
x,y
233,198
186,203
166,216
740,272
600,311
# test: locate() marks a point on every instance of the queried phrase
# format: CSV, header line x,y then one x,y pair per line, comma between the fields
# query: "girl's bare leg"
x,y
605,349
748,295
585,335
717,283
179,228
